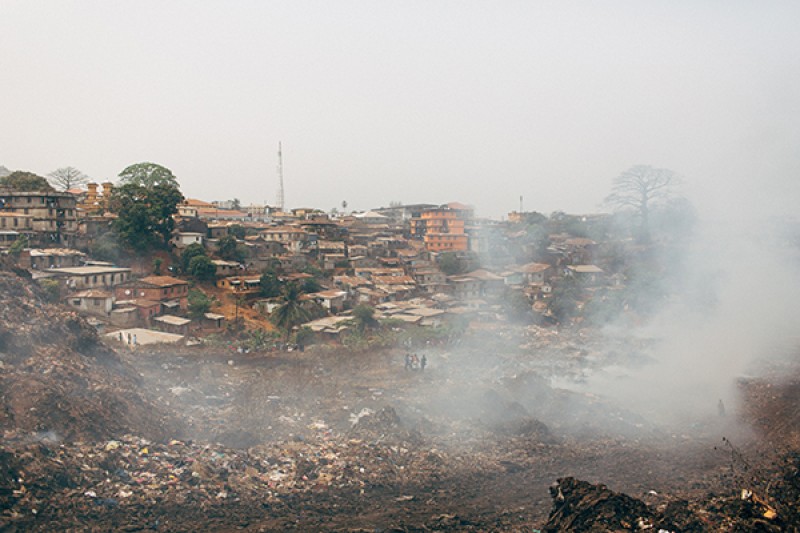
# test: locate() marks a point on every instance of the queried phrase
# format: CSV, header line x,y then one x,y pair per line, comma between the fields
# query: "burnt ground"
x,y
192,439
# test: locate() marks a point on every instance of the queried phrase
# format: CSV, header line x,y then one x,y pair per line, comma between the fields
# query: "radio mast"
x,y
280,179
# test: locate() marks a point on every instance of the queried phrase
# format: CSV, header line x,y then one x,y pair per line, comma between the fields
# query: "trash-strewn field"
x,y
186,439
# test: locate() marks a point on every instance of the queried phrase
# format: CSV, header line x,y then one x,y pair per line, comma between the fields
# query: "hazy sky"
x,y
412,101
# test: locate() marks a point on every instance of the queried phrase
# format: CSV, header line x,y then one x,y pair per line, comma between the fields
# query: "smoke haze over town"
x,y
416,265
411,102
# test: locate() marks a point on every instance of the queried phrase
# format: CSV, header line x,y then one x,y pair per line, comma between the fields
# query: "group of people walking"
x,y
415,363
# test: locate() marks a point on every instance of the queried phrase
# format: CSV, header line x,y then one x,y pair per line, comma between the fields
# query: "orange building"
x,y
95,200
441,229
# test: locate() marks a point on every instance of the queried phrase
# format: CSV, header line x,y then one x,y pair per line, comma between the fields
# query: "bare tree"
x,y
67,178
639,189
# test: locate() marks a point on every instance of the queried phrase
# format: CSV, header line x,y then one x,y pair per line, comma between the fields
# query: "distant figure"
x,y
423,363
120,337
721,408
414,362
408,361
134,339
129,338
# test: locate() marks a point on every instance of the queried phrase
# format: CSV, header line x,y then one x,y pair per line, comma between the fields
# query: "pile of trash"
x,y
57,379
47,482
581,506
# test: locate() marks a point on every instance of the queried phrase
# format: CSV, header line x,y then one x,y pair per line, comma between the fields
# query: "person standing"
x,y
423,363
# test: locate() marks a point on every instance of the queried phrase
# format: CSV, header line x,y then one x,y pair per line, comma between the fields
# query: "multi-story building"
x,y
53,214
441,229
94,200
171,293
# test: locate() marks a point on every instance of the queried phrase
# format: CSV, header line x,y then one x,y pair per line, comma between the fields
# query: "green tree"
x,y
199,303
270,284
157,262
66,178
25,182
450,264
292,312
237,231
193,250
227,248
364,318
310,285
202,268
144,214
147,175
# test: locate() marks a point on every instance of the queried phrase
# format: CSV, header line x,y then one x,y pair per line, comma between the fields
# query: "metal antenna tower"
x,y
280,179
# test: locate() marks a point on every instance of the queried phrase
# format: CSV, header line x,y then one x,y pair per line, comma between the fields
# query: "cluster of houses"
x,y
388,258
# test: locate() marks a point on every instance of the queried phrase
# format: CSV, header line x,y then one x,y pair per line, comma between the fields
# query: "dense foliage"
x,y
144,214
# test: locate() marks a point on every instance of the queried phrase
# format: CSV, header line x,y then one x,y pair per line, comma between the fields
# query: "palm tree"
x,y
292,312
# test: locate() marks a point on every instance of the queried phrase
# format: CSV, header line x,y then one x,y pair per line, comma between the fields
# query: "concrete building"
x,y
53,215
90,277
441,229
171,293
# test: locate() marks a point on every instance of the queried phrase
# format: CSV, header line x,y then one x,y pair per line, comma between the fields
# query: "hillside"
x,y
57,380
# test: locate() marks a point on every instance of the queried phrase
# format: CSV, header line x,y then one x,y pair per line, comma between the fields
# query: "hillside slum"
x,y
193,439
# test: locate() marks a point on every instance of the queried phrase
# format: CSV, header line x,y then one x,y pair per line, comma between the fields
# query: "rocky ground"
x,y
192,439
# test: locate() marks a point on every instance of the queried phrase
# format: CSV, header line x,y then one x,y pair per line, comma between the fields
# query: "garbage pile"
x,y
50,483
56,378
581,506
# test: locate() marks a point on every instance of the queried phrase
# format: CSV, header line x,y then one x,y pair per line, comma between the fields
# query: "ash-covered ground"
x,y
190,439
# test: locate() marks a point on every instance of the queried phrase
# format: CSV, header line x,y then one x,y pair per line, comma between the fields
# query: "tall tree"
x,y
22,181
147,175
640,188
292,312
144,214
65,178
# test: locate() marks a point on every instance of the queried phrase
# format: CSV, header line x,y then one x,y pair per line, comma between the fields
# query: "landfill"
x,y
198,439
